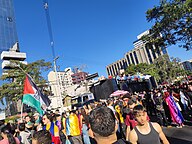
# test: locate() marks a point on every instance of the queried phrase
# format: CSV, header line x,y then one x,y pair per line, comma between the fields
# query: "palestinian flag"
x,y
33,97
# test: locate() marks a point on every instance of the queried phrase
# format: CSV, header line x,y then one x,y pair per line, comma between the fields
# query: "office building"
x,y
187,65
8,34
142,52
9,46
79,77
64,80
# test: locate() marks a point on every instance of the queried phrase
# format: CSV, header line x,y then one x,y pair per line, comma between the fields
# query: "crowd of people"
x,y
131,118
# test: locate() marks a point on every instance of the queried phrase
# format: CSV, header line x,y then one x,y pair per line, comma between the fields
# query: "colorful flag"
x,y
33,97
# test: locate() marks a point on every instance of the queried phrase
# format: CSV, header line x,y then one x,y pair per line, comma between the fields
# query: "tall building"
x,y
9,46
8,34
59,83
142,52
187,65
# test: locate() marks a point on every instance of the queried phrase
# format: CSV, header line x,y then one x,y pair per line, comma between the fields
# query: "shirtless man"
x,y
146,132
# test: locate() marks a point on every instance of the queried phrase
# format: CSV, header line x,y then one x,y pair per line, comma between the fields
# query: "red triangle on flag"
x,y
28,89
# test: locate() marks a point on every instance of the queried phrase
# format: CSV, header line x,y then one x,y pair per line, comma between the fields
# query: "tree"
x,y
168,69
173,23
143,68
163,69
12,90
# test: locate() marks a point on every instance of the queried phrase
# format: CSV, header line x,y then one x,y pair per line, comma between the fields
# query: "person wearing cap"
x,y
37,119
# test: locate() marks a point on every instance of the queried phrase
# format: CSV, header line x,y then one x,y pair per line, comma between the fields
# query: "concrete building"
x,y
187,65
78,77
142,52
59,85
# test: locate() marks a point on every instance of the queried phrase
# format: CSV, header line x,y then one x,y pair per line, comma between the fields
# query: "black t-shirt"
x,y
121,141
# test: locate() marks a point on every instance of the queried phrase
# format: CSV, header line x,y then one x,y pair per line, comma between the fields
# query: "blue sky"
x,y
94,33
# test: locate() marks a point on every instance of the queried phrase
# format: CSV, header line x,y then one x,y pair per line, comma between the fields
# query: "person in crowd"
x,y
175,113
130,120
24,136
73,131
119,115
150,103
162,119
51,127
110,104
184,101
104,126
8,138
58,120
29,124
42,137
37,119
146,132
85,126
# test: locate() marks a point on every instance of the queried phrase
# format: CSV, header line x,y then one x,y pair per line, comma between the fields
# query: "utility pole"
x,y
58,83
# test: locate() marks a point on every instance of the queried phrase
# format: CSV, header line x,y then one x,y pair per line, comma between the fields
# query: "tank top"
x,y
152,137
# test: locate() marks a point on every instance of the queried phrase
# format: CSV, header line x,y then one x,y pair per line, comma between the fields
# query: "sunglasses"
x,y
44,118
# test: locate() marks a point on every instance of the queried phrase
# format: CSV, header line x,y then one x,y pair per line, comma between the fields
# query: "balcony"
x,y
12,55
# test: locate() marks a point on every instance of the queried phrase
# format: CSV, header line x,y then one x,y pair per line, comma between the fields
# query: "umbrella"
x,y
119,93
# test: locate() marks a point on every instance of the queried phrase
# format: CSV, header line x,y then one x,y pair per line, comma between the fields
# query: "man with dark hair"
x,y
24,136
130,120
42,137
146,132
103,124
29,124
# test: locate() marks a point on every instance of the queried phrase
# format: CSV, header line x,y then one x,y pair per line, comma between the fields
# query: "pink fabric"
x,y
174,112
5,141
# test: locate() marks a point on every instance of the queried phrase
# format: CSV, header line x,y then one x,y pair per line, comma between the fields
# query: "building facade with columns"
x,y
142,52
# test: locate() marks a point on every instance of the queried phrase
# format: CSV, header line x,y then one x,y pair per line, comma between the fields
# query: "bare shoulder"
x,y
157,127
133,138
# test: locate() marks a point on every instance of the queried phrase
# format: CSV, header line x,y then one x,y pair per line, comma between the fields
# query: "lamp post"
x,y
57,82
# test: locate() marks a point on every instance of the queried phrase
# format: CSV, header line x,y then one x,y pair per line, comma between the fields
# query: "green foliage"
x,y
143,68
14,78
163,69
173,20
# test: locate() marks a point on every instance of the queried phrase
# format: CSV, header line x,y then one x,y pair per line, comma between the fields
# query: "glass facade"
x,y
8,34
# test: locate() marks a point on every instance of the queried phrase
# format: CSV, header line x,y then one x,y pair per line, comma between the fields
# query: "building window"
x,y
128,60
131,55
148,54
136,59
125,64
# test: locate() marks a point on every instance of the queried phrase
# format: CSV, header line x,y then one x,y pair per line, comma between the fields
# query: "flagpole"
x,y
21,111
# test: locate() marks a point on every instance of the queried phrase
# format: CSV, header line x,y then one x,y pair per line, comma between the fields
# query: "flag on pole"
x,y
33,97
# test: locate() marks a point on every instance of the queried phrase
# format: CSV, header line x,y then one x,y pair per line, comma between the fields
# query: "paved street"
x,y
179,135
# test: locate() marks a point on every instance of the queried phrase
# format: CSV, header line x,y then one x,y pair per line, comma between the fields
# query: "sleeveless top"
x,y
151,138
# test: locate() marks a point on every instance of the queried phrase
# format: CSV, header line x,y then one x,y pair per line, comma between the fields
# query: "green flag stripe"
x,y
31,101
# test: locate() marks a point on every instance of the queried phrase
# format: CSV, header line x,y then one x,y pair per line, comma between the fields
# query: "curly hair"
x,y
102,121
